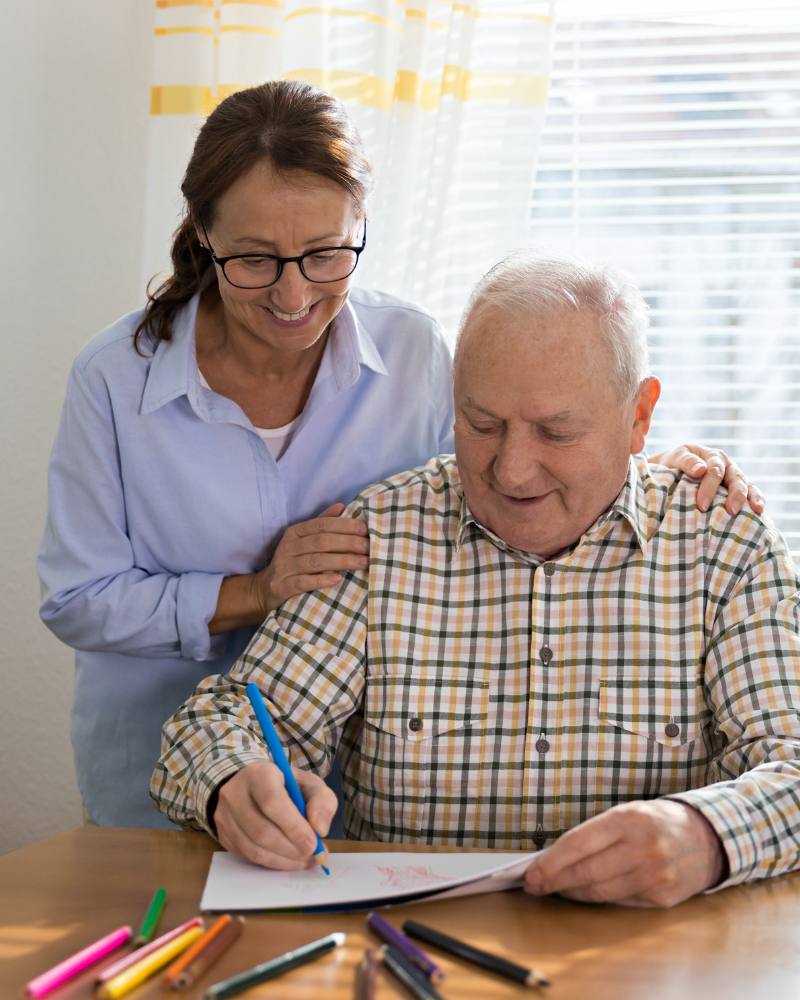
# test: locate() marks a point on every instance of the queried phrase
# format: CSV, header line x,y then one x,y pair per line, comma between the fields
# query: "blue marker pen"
x,y
280,761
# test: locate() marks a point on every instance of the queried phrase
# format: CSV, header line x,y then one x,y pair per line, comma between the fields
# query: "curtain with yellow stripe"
x,y
449,98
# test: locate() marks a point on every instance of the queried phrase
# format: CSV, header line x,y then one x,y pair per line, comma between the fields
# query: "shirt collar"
x,y
349,347
630,505
173,370
467,522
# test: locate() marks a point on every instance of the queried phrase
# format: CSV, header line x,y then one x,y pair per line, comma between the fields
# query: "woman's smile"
x,y
293,319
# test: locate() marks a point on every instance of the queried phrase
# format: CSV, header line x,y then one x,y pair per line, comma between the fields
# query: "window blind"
x,y
671,149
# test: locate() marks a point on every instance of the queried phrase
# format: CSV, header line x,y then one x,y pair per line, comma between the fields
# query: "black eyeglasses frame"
x,y
282,261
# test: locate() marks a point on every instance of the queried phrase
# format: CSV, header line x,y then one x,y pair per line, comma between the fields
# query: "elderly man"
x,y
552,646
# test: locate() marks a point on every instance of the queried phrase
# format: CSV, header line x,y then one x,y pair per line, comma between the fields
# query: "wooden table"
x,y
62,893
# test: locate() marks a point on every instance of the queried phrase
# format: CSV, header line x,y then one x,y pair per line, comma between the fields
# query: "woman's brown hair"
x,y
285,123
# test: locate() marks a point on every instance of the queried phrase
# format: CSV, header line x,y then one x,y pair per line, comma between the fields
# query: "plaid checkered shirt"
x,y
482,696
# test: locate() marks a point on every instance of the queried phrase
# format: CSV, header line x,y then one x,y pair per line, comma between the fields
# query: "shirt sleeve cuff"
x,y
196,602
214,775
730,817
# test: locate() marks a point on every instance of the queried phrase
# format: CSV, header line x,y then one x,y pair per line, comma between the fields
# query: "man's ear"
x,y
649,391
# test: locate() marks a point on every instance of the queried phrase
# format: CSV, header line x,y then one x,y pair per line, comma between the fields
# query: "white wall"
x,y
72,174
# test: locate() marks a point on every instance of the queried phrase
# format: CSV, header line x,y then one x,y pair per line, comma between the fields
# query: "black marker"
x,y
493,963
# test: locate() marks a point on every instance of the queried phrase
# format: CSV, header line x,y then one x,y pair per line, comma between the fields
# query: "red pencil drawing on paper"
x,y
409,876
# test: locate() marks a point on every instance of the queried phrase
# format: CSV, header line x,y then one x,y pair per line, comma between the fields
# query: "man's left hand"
x,y
655,853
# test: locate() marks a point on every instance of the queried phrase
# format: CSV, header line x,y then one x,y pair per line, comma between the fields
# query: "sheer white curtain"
x,y
449,98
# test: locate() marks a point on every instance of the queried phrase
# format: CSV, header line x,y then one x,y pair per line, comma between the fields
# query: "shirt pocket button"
x,y
672,729
415,724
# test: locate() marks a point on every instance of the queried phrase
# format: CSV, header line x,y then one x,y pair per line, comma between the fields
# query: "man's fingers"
x,y
632,883
577,845
321,803
617,862
294,835
269,803
250,835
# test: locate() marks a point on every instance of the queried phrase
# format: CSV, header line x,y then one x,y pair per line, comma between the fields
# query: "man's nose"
x,y
516,462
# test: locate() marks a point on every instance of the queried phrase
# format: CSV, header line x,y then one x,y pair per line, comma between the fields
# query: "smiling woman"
x,y
207,441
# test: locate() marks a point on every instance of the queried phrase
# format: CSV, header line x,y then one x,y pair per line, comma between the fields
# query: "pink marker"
x,y
71,967
136,956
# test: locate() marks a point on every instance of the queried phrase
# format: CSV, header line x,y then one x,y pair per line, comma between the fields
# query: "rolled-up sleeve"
x,y
94,596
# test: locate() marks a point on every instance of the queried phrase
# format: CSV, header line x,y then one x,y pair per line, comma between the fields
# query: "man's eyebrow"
x,y
470,402
552,419
565,417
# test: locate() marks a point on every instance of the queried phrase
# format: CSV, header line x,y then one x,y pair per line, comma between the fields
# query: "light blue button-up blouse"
x,y
159,487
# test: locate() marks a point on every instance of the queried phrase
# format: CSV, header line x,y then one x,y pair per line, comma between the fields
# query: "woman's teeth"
x,y
290,316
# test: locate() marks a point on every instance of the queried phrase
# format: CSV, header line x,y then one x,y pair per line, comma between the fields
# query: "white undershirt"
x,y
275,438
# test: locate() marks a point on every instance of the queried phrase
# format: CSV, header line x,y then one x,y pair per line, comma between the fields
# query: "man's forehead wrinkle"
x,y
562,417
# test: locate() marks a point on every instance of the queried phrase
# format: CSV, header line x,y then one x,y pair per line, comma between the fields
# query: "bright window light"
x,y
672,149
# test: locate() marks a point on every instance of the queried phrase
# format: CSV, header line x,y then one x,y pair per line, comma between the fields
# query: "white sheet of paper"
x,y
358,879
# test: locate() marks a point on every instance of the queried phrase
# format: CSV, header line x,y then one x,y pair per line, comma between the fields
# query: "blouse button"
x,y
415,724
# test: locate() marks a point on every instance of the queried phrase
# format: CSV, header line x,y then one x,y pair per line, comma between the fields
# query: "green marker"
x,y
151,918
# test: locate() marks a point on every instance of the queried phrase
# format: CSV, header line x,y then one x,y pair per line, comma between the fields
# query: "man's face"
x,y
543,435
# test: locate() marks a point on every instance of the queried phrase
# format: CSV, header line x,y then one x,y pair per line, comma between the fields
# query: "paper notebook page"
x,y
509,877
233,884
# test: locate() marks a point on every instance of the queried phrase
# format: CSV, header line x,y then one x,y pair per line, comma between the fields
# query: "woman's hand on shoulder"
x,y
312,554
713,467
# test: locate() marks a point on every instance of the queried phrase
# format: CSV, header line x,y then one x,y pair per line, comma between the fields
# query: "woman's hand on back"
x,y
312,554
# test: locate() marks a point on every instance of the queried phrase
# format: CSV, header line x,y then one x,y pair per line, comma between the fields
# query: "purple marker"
x,y
391,935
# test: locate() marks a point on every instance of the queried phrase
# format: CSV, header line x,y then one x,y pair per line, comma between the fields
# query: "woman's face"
x,y
285,215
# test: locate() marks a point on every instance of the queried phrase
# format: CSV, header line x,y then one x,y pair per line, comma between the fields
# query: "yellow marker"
x,y
150,964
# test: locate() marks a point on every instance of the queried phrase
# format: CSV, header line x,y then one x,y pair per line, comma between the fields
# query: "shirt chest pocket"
x,y
423,745
666,708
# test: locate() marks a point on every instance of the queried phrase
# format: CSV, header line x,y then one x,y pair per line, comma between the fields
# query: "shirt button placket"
x,y
543,745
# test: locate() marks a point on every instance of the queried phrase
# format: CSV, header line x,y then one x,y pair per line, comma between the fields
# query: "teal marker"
x,y
280,761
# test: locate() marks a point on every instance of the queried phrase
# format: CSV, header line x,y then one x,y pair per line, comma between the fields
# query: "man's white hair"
x,y
535,284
